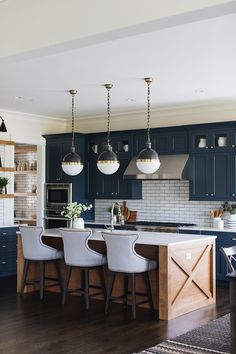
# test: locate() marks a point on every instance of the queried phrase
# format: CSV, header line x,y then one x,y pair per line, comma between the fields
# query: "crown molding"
x,y
161,117
29,116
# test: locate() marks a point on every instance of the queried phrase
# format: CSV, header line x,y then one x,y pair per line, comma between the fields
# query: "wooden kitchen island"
x,y
184,280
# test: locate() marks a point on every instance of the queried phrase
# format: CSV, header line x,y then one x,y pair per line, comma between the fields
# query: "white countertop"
x,y
146,238
202,229
8,225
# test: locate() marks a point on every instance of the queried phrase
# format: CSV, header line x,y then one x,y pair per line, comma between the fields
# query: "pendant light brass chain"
x,y
108,87
108,116
72,123
148,113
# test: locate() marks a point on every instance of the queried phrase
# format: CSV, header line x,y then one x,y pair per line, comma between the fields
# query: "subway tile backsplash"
x,y
164,201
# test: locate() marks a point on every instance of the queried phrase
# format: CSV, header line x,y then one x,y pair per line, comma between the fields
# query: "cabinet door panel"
x,y
220,182
53,162
233,176
199,175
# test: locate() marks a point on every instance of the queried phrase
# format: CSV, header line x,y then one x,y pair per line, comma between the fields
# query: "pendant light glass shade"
x,y
148,161
107,162
71,163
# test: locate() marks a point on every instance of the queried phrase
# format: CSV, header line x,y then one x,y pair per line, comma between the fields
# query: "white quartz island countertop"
x,y
146,238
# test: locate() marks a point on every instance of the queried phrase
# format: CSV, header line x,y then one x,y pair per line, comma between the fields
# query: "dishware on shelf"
x,y
222,140
202,143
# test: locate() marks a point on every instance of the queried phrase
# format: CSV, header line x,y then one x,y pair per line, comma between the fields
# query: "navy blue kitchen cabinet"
x,y
211,138
164,140
8,251
112,186
210,177
57,146
171,142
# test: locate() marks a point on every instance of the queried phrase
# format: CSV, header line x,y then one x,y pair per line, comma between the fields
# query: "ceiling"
x,y
192,63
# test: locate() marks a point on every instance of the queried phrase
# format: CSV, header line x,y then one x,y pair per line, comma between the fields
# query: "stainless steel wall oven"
x,y
57,195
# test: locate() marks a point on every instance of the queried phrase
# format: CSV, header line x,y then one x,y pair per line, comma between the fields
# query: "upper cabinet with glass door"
x,y
219,139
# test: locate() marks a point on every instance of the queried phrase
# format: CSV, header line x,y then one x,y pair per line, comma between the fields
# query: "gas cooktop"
x,y
152,226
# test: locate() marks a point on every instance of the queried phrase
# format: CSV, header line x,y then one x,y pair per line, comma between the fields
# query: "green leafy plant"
x,y
230,208
115,210
74,210
4,181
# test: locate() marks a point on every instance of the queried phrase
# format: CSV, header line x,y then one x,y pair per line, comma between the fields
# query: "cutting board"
x,y
132,216
125,211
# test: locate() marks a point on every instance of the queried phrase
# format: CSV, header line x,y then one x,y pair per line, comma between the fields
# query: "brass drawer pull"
x,y
4,246
4,262
233,239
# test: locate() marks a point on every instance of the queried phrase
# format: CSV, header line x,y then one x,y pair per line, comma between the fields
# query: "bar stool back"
x,y
122,258
78,254
34,250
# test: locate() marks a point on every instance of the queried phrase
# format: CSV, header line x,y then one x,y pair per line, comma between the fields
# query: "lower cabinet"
x,y
8,251
224,239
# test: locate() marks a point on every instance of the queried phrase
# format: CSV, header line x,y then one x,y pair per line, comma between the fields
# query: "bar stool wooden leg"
x,y
133,280
109,290
86,287
66,284
42,273
102,281
126,289
57,266
149,291
25,271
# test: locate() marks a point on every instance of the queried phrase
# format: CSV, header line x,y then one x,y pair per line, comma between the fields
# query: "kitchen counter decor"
x,y
73,212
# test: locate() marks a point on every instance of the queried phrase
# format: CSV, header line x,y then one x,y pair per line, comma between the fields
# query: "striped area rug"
x,y
212,338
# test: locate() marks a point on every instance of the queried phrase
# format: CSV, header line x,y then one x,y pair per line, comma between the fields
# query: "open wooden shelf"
x,y
28,172
5,196
7,169
25,194
25,149
7,142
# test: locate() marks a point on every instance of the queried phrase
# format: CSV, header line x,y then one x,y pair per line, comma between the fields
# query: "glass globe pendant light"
x,y
71,163
107,162
148,161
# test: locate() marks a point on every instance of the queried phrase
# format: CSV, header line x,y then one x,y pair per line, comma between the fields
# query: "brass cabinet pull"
x,y
233,239
4,262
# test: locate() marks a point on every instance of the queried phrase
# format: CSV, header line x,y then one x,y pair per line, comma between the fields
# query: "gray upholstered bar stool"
x,y
78,254
123,259
34,250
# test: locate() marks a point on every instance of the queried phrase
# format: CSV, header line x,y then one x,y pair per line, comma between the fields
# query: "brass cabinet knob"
x,y
233,195
212,194
206,194
233,146
212,147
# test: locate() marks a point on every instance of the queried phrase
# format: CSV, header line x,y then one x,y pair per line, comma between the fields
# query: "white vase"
x,y
78,223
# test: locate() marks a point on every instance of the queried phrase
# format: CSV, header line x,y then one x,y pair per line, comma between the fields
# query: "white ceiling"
x,y
192,64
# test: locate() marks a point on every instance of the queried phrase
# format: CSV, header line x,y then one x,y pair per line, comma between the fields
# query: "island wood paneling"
x,y
183,282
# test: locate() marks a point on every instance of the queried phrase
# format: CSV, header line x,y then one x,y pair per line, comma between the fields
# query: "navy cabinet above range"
x,y
212,157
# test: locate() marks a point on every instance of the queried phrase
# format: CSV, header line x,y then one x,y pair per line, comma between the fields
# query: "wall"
x,y
28,129
164,201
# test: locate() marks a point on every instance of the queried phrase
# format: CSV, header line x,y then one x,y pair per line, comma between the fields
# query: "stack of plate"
x,y
230,224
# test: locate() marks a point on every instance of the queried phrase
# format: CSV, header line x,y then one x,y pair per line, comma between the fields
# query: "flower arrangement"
x,y
74,210
231,208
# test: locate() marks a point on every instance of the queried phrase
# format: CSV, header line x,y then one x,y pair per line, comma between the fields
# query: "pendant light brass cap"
x,y
108,86
148,79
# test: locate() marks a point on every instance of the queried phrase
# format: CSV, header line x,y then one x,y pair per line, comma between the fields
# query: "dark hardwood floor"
x,y
28,326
